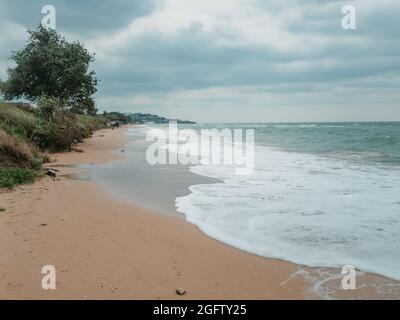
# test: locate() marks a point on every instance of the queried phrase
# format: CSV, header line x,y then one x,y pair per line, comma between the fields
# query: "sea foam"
x,y
335,208
307,209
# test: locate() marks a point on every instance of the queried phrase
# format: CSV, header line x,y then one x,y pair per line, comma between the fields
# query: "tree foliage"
x,y
50,66
117,116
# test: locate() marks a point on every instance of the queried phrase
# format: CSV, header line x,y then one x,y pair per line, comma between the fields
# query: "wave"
x,y
310,210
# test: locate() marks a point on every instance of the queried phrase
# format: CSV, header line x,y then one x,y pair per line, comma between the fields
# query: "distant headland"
x,y
141,118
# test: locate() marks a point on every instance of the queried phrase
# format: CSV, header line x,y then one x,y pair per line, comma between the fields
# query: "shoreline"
x,y
106,248
103,248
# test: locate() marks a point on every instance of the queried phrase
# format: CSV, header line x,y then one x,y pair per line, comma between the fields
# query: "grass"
x,y
53,131
10,177
17,121
26,134
96,122
88,124
14,151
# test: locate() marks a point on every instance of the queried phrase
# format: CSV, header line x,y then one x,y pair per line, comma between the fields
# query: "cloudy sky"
x,y
230,60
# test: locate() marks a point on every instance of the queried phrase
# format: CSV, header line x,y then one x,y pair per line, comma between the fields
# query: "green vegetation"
x,y
13,176
91,123
17,121
15,151
36,163
25,136
117,116
50,66
58,128
54,75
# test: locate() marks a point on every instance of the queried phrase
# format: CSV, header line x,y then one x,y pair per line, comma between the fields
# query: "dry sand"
x,y
103,248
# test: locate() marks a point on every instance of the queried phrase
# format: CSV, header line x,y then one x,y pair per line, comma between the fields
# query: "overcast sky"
x,y
230,60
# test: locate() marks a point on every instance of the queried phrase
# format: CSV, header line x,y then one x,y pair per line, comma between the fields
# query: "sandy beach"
x,y
103,248
106,248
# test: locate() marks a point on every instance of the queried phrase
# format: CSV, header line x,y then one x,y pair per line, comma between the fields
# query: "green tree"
x,y
50,66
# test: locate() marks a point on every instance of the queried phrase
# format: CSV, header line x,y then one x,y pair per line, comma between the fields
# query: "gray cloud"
x,y
283,55
80,16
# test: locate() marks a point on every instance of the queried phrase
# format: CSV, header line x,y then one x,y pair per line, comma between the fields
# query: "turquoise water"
x,y
321,195
375,142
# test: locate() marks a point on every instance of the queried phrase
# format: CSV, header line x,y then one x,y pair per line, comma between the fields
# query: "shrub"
x,y
10,177
36,163
12,130
56,129
54,135
47,107
91,123
23,130
117,116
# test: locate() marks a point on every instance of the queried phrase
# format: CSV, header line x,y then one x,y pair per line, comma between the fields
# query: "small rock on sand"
x,y
180,291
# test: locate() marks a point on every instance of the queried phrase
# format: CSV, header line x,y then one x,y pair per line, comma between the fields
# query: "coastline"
x,y
105,247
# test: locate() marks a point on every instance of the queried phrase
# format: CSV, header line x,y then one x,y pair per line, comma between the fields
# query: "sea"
x,y
320,195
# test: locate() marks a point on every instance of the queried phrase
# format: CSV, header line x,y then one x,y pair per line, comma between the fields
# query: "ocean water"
x,y
320,195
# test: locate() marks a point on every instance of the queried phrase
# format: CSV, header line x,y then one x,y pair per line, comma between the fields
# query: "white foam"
x,y
306,209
